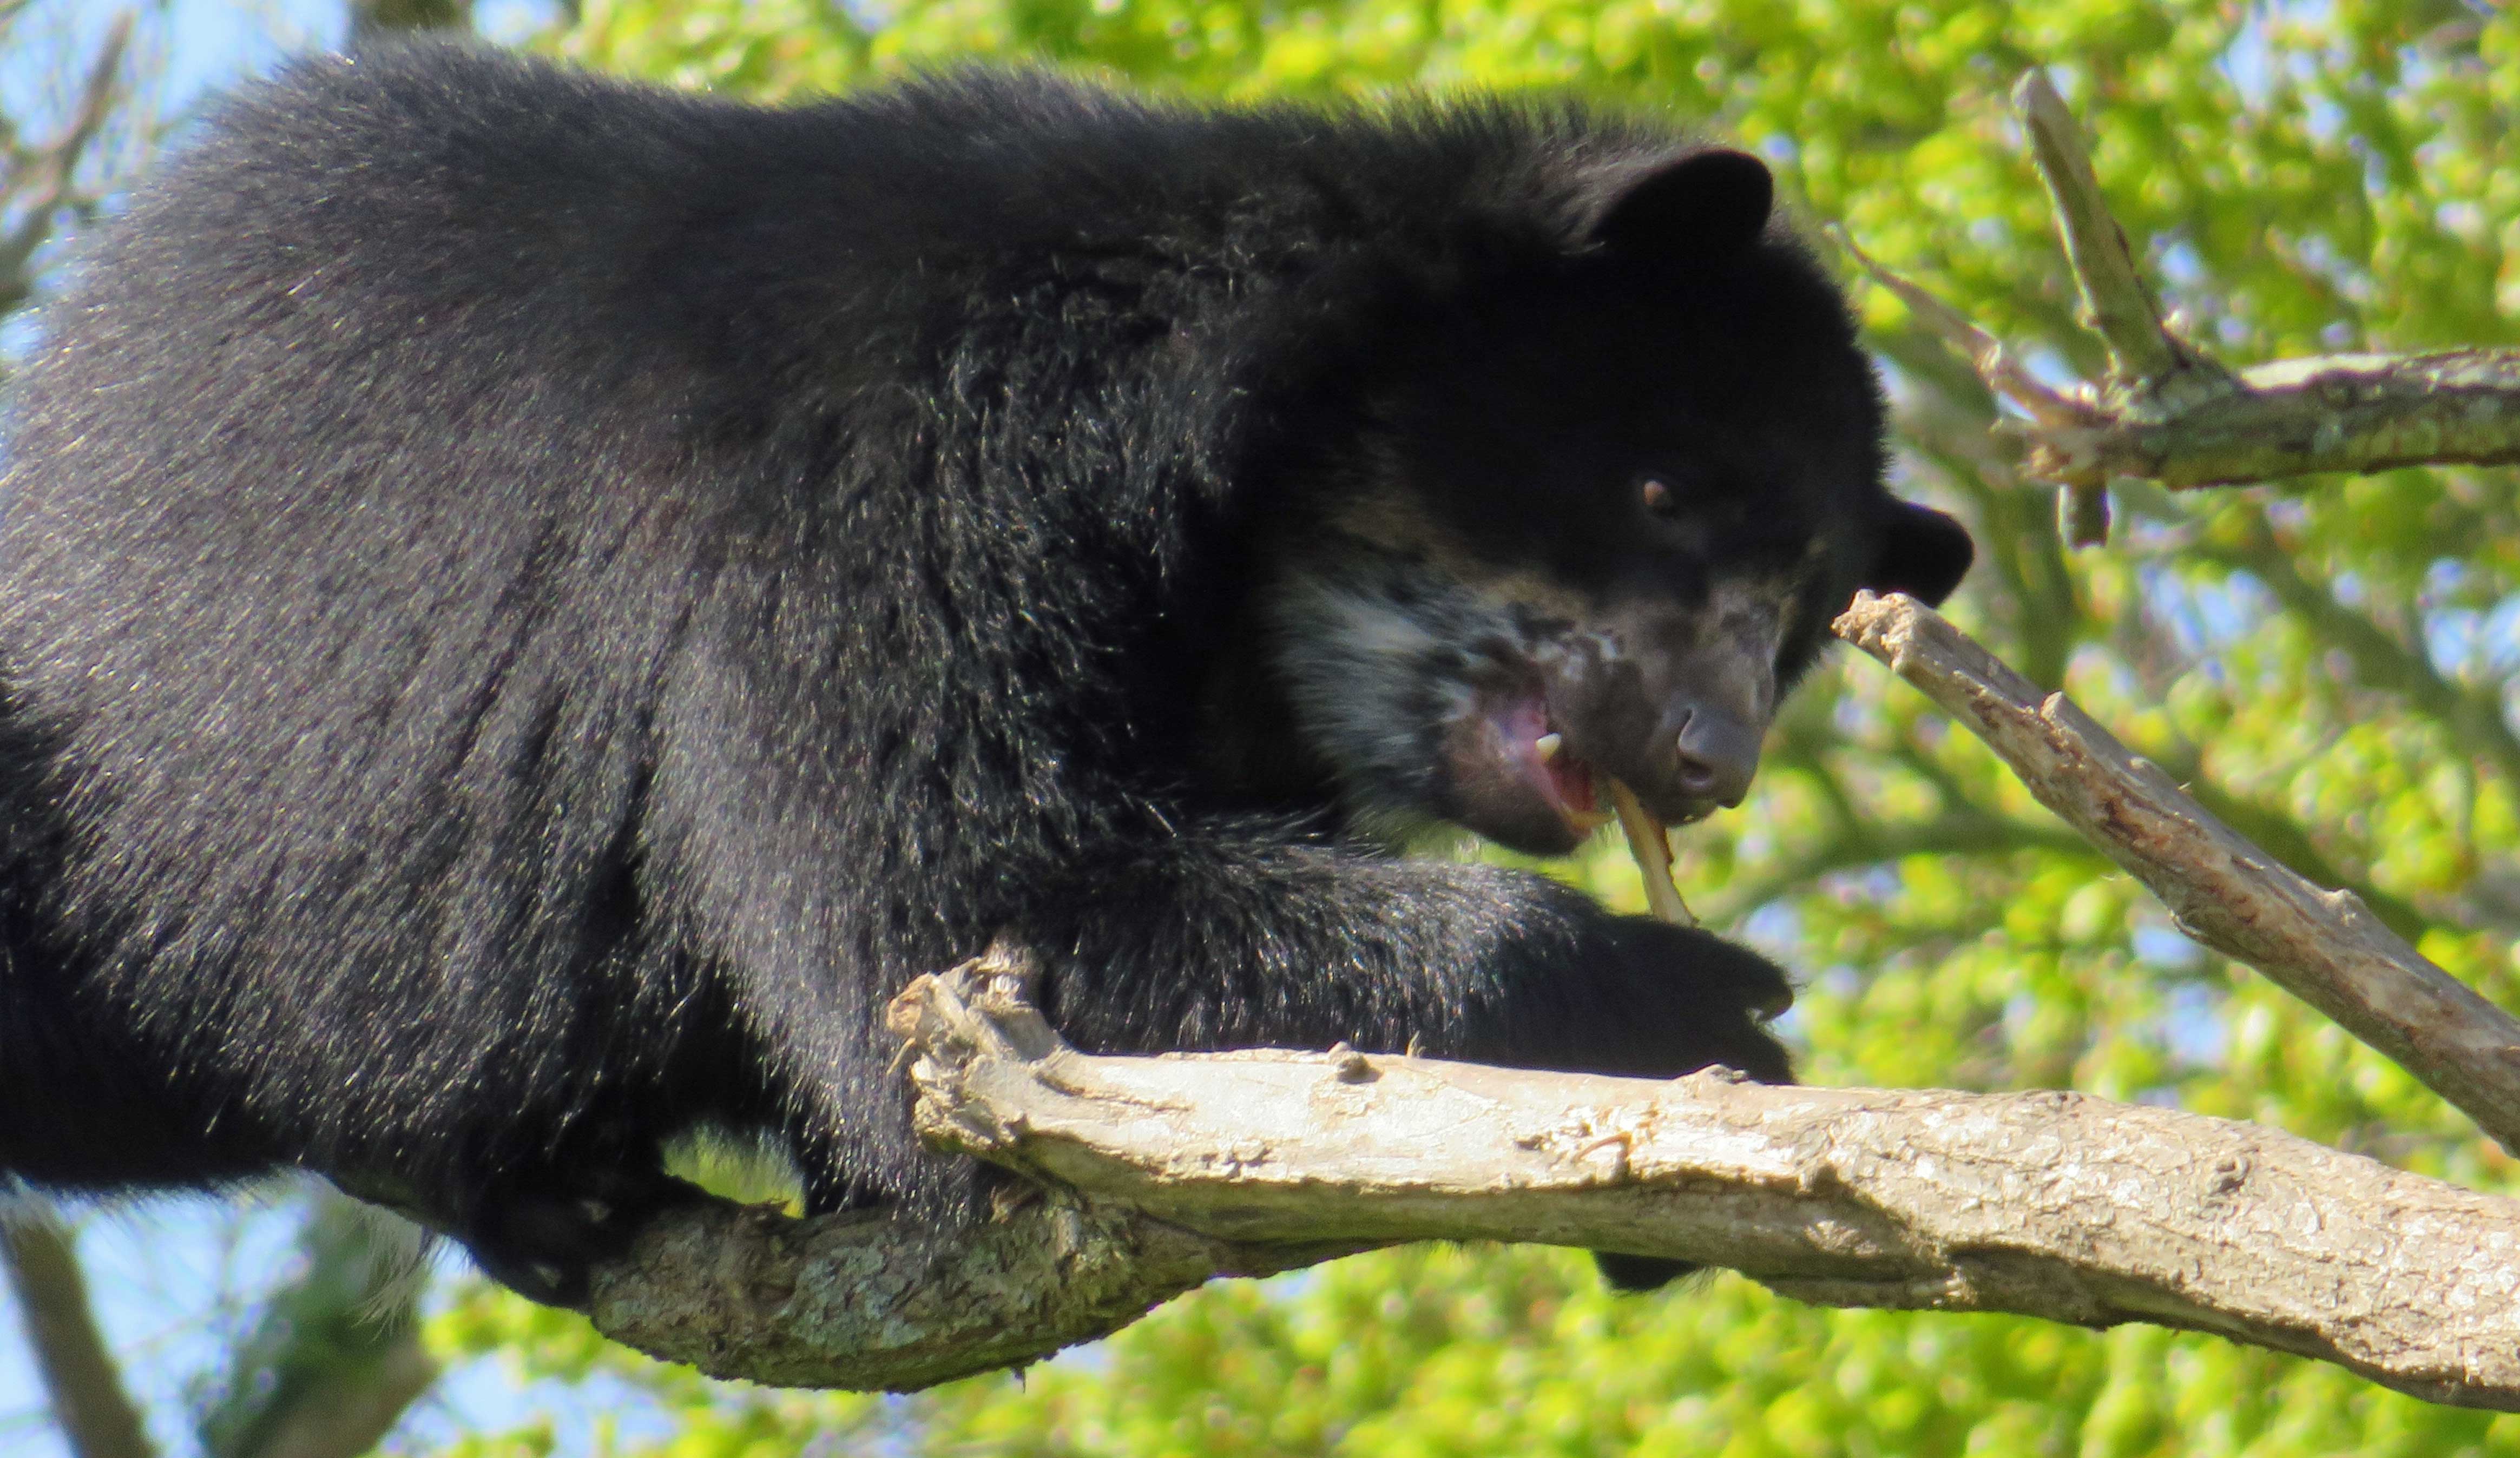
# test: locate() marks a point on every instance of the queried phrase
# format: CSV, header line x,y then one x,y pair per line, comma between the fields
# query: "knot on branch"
x,y
976,1010
970,1022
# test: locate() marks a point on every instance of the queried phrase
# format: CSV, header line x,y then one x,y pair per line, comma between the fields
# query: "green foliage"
x,y
1432,1353
320,1337
539,1345
2332,664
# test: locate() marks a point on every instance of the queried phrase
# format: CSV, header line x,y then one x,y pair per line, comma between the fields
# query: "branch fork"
x,y
2170,412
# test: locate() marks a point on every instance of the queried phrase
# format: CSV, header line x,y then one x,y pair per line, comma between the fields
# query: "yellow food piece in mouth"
x,y
1649,842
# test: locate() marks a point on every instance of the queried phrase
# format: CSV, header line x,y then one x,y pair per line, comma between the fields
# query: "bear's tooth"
x,y
1549,745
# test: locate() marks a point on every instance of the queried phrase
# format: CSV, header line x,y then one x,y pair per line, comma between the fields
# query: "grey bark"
x,y
1170,1168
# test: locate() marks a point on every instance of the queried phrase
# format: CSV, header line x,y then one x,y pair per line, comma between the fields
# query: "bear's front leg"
x,y
1228,937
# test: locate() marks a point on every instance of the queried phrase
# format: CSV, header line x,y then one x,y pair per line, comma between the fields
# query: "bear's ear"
x,y
1921,552
1708,205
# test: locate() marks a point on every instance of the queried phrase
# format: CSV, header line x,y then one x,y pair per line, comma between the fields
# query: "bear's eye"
x,y
1661,497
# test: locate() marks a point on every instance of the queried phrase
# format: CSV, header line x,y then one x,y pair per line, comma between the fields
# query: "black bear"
x,y
530,606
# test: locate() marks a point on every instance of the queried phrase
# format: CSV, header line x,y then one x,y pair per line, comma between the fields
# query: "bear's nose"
x,y
1716,753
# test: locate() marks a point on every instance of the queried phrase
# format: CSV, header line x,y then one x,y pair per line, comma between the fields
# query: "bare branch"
x,y
89,1403
871,1302
2170,413
2116,301
2349,412
2341,413
2047,1204
2288,842
868,1301
2001,368
2056,414
54,167
2323,946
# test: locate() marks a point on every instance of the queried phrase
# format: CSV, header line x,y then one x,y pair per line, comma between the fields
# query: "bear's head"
x,y
1595,520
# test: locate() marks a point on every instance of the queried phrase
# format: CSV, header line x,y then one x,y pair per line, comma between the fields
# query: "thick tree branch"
x,y
2340,413
871,1302
2045,1204
95,1414
2323,946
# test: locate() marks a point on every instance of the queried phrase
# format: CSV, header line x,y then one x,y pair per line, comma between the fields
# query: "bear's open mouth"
x,y
1535,751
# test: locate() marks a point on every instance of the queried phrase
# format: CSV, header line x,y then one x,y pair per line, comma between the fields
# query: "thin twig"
x,y
2151,369
2053,412
2001,368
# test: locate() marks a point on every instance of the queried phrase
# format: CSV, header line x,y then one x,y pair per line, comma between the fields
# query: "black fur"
x,y
535,605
